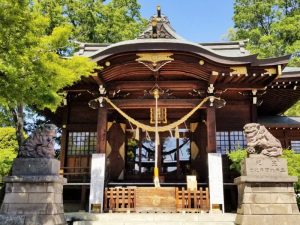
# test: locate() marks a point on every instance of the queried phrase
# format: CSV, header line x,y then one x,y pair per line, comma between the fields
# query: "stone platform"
x,y
266,193
34,195
151,218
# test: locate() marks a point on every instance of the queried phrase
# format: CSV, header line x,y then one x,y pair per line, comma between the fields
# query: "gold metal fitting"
x,y
156,93
154,22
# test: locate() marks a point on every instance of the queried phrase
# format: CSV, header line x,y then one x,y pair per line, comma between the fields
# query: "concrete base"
x,y
268,200
37,199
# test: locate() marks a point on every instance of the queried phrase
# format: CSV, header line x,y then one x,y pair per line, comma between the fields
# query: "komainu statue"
x,y
40,144
261,141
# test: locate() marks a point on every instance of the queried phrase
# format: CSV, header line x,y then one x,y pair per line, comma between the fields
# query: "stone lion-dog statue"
x,y
261,141
40,144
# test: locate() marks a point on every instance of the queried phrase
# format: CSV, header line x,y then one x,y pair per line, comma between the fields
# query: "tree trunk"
x,y
18,116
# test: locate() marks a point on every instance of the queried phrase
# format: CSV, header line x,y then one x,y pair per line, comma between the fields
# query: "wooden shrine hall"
x,y
238,87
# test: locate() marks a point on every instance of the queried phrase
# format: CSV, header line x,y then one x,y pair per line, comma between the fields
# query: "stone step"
x,y
151,219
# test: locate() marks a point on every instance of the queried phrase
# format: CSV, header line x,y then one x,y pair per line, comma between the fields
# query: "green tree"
x,y
31,70
272,27
34,36
95,21
294,110
8,149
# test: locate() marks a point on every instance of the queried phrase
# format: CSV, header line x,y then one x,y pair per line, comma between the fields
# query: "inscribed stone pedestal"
x,y
33,193
266,193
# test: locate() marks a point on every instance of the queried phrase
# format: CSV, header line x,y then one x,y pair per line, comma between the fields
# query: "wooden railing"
x,y
120,199
76,174
192,201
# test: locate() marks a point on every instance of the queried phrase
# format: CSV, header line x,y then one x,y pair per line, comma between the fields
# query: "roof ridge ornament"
x,y
159,27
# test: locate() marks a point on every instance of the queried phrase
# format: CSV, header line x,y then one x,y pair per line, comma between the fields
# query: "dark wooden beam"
x,y
214,76
211,130
146,85
239,86
101,130
98,80
148,103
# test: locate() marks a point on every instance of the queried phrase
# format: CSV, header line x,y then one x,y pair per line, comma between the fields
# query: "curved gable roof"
x,y
140,45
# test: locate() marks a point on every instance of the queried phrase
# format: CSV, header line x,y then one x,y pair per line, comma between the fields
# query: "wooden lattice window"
x,y
228,141
81,143
295,145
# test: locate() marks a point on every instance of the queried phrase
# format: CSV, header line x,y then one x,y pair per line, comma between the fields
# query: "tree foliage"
x,y
294,110
36,34
8,149
96,21
31,69
272,27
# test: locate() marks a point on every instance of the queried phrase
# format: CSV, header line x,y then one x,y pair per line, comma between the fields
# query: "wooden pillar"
x,y
178,158
159,155
211,130
286,143
63,145
101,130
64,138
253,113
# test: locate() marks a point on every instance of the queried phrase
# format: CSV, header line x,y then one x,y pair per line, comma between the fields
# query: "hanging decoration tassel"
x,y
148,136
171,135
157,138
177,133
137,134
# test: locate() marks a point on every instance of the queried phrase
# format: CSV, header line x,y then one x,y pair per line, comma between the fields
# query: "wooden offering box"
x,y
151,199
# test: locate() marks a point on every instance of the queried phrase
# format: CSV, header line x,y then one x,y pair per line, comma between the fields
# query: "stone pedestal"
x,y
266,193
33,194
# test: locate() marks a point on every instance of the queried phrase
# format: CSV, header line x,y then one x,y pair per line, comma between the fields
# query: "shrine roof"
x,y
280,121
291,72
213,52
160,36
229,48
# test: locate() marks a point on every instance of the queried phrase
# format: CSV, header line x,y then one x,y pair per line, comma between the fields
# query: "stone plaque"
x,y
97,181
258,165
215,172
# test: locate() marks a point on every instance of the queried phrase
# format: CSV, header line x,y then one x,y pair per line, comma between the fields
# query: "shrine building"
x,y
233,86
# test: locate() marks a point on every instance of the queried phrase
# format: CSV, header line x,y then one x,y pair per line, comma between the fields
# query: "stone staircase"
x,y
150,219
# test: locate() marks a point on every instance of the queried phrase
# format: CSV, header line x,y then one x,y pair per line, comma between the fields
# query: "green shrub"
x,y
8,149
236,157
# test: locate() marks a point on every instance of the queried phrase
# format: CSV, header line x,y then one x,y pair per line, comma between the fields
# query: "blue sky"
x,y
195,20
